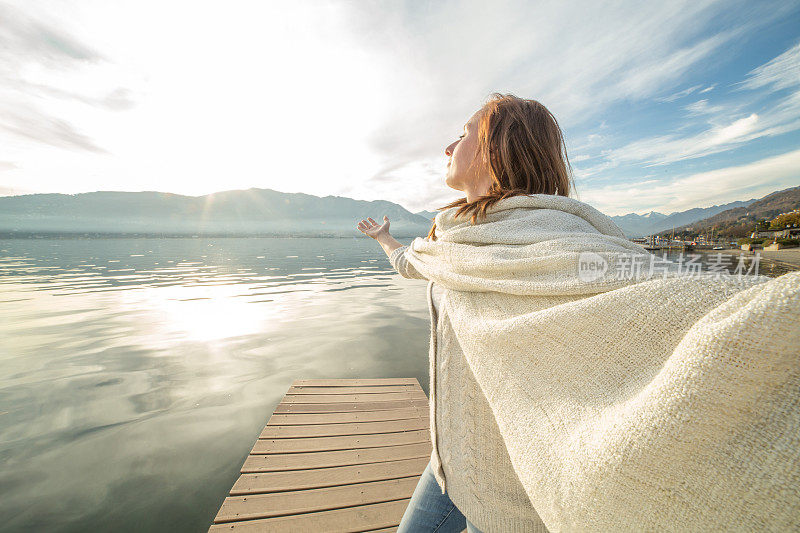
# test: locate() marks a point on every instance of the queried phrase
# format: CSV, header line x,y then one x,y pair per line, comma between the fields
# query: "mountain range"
x,y
246,212
427,214
268,212
740,221
634,225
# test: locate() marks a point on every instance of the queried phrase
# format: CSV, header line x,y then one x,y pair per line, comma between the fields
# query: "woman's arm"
x,y
390,245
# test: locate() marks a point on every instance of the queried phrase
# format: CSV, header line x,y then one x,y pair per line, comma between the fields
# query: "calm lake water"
x,y
136,374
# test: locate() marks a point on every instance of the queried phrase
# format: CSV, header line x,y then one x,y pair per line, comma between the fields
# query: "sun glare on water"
x,y
205,313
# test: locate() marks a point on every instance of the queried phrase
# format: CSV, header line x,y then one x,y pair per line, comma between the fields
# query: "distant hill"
x,y
427,214
740,221
634,225
273,213
247,212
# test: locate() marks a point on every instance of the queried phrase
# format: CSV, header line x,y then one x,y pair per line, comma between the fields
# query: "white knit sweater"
x,y
641,403
464,435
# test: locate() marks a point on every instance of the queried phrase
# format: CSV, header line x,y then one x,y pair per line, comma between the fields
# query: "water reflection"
x,y
135,374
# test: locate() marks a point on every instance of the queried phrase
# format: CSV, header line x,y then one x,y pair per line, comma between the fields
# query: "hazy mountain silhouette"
x,y
251,212
634,225
427,214
247,212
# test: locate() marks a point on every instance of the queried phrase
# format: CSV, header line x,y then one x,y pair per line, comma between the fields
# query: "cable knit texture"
x,y
659,402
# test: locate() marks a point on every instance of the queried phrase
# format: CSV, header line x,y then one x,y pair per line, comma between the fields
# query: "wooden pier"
x,y
336,455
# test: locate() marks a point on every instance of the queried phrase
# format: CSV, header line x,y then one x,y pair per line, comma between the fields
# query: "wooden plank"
x,y
362,518
326,459
355,382
345,442
336,455
357,428
344,418
257,506
327,477
338,398
377,389
343,407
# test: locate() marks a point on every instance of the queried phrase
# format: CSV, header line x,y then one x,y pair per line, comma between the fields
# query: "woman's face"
x,y
464,171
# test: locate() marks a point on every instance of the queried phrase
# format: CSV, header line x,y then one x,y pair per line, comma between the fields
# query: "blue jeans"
x,y
429,510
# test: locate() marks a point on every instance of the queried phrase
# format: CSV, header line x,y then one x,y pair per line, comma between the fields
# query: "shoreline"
x,y
771,263
789,256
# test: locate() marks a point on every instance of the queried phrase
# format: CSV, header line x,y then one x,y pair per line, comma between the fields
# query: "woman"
x,y
509,147
570,390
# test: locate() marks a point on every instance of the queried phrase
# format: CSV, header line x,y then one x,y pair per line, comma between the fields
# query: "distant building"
x,y
786,233
763,233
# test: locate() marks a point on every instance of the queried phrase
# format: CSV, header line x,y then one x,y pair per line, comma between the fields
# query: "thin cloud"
x,y
703,189
724,133
28,122
27,39
679,94
31,44
702,107
665,149
118,99
782,72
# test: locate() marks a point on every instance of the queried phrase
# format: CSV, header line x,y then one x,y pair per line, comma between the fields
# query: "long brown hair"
x,y
522,145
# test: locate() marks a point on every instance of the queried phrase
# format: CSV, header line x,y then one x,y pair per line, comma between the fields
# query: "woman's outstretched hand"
x,y
370,228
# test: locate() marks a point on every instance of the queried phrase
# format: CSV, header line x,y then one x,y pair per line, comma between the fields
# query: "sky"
x,y
665,106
